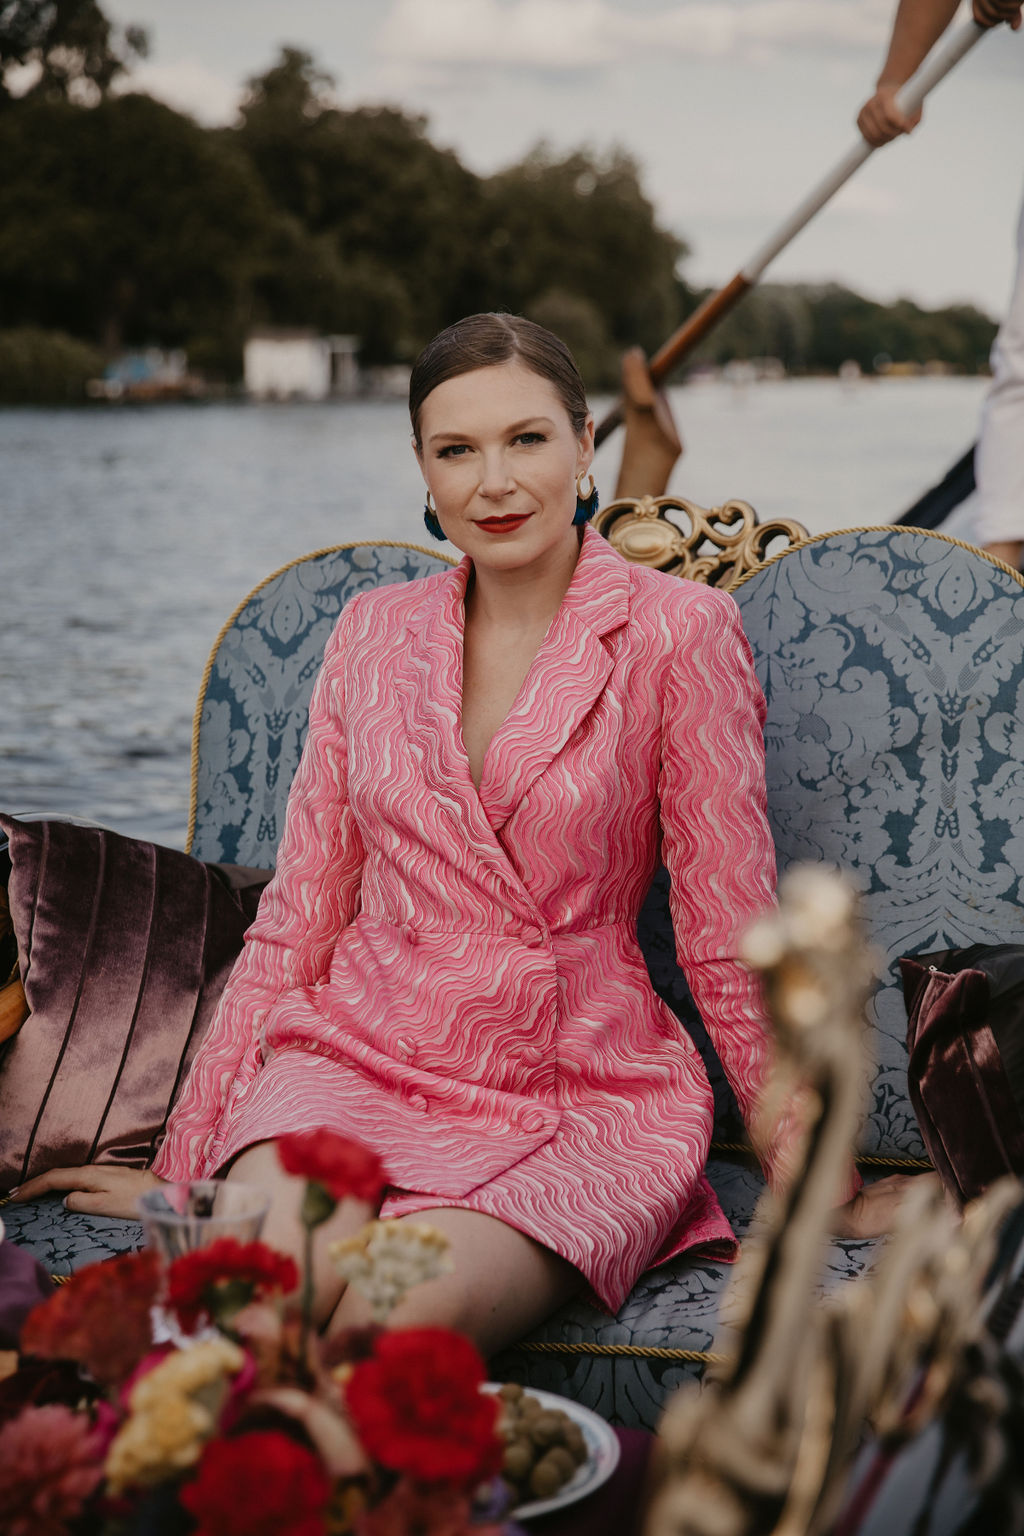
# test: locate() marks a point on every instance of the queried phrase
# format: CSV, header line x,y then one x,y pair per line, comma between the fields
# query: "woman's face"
x,y
500,459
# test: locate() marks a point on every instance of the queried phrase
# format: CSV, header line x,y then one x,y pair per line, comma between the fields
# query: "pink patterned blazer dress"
x,y
453,977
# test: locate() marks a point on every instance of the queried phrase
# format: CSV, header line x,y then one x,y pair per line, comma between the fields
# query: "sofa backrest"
x,y
892,661
250,721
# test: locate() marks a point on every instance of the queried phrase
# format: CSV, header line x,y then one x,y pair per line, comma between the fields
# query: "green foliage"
x,y
581,326
817,328
370,185
126,223
581,224
45,367
72,45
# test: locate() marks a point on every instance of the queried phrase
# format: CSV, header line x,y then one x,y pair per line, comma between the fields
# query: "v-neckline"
x,y
564,680
497,733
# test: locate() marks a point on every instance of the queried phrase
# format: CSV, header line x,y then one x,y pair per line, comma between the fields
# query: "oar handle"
x,y
717,305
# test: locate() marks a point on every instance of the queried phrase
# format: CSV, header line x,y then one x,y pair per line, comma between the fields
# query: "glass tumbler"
x,y
177,1218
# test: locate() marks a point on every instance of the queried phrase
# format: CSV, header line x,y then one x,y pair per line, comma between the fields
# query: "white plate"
x,y
603,1452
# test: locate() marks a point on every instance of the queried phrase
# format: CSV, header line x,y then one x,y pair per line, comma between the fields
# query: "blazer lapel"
x,y
564,683
428,683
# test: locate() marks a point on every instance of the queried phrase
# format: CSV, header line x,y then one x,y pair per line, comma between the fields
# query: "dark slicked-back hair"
x,y
481,341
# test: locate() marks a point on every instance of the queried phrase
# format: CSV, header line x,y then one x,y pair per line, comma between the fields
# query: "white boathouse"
x,y
283,363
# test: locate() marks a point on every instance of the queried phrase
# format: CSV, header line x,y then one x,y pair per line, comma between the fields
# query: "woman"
x,y
445,965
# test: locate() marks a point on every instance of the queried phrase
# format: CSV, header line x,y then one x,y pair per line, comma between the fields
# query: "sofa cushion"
x,y
124,948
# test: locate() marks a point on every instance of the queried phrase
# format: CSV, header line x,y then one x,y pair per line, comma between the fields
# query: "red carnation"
x,y
418,1409
100,1317
221,1279
259,1484
341,1166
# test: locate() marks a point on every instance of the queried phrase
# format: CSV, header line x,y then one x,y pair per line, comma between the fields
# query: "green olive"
x,y
547,1427
575,1444
564,1461
518,1460
546,1478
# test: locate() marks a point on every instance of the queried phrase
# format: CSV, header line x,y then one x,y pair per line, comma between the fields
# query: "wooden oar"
x,y
708,314
932,508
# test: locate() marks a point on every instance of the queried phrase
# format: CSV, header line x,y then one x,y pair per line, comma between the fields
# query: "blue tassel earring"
x,y
431,519
586,501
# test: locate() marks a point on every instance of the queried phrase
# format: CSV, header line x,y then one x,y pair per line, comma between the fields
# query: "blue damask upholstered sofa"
x,y
893,666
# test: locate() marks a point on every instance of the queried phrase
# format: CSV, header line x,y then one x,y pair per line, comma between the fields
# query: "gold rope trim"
x,y
865,1159
636,1351
839,533
204,682
868,1161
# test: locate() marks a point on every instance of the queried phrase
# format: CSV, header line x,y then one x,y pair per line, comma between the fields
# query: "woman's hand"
x,y
872,1211
100,1189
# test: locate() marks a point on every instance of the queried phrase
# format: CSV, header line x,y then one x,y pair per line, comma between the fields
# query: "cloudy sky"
x,y
734,108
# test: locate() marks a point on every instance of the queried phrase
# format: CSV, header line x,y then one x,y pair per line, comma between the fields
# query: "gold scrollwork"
x,y
718,547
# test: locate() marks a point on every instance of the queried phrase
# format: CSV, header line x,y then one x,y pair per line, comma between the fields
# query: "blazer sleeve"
x,y
715,839
314,894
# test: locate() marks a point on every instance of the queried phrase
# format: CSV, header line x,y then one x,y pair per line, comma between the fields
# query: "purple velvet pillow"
x,y
124,949
965,1075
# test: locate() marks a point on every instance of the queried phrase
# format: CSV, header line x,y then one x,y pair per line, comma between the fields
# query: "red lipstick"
x,y
506,524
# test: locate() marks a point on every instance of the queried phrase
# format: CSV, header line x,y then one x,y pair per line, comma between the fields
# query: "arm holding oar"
x,y
998,460
717,305
917,28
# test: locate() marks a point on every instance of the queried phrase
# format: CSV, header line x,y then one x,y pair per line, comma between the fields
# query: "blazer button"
x,y
533,1121
419,1101
404,1046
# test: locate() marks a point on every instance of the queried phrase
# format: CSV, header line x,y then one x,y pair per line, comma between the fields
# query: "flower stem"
x,y
305,1375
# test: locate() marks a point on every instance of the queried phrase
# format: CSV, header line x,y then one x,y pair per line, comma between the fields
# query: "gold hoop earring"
x,y
586,500
430,504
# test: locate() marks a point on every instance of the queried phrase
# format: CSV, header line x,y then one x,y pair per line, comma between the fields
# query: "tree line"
x,y
124,223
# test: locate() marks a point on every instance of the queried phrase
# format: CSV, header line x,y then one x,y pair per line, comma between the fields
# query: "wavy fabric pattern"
x,y
455,977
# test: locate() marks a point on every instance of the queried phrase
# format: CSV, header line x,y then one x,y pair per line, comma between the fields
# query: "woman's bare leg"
x,y
503,1284
283,1227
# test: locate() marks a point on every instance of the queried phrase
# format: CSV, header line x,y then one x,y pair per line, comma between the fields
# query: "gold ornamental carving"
x,y
716,545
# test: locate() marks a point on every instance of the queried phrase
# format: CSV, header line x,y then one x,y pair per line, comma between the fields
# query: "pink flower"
x,y
50,1465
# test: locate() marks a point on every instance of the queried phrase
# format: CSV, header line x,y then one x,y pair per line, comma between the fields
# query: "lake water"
x,y
128,535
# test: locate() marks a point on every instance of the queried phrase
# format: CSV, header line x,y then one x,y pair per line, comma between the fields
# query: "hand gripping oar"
x,y
708,314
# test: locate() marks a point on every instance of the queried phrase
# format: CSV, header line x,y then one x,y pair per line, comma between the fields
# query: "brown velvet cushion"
x,y
124,948
965,1036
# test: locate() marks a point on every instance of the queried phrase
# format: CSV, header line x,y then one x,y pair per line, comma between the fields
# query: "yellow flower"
x,y
187,1370
158,1443
174,1411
